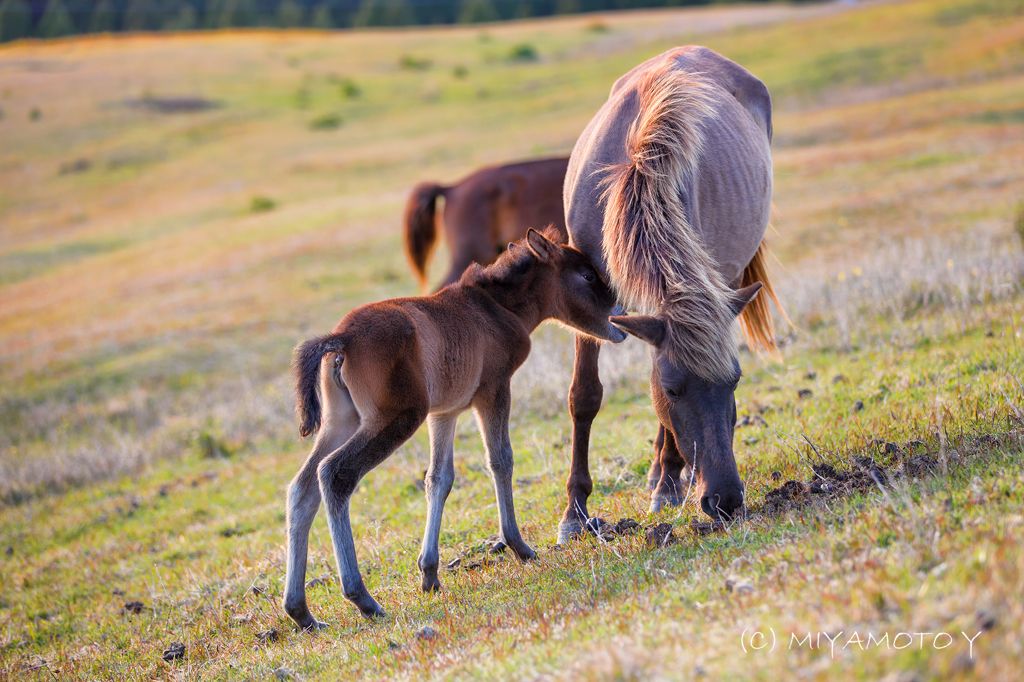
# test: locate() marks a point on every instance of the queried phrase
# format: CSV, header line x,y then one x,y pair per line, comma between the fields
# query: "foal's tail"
x,y
756,318
420,226
306,369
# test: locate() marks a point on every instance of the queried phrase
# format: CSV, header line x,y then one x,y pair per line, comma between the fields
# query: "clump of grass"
x,y
330,121
523,52
209,446
35,114
460,71
303,98
234,530
414,63
262,204
598,27
350,89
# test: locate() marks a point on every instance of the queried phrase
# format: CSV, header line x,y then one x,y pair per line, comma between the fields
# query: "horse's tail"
x,y
421,227
306,370
756,318
656,260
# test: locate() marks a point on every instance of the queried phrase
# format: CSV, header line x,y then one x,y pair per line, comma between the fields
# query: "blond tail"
x,y
756,319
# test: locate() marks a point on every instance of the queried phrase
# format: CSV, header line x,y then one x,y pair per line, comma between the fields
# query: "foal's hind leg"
x,y
440,477
493,414
339,475
340,421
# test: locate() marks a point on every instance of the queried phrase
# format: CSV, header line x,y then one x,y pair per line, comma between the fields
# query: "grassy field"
x,y
176,212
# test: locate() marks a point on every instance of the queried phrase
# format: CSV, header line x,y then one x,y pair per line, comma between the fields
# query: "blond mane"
x,y
656,260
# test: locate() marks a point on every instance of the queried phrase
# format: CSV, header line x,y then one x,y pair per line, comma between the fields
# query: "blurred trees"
x,y
55,18
15,19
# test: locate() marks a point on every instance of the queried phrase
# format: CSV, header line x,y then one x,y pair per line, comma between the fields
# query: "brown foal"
x,y
389,366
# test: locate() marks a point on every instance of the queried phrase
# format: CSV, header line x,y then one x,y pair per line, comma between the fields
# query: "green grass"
x,y
150,299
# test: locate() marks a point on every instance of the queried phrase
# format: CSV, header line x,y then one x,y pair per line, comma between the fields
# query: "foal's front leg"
x,y
584,403
492,412
439,479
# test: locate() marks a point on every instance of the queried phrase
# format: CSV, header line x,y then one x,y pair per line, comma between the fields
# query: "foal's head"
x,y
700,413
555,281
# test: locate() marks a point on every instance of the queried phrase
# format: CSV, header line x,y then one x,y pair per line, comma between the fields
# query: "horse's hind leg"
x,y
654,473
493,414
440,477
671,487
340,421
340,473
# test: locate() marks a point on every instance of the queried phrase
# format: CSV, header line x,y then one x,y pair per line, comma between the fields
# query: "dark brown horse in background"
x,y
668,191
483,212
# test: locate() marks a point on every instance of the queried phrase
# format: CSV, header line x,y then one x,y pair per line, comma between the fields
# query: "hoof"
x,y
431,583
368,606
316,626
659,502
575,529
525,553
372,612
303,618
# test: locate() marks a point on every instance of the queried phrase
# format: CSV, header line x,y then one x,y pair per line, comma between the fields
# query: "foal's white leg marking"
x,y
440,476
493,420
339,476
340,421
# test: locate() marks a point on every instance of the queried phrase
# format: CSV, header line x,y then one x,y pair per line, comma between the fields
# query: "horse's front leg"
x,y
585,396
438,482
492,411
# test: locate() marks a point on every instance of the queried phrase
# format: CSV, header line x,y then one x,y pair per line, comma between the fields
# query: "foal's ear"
x,y
644,327
543,247
741,297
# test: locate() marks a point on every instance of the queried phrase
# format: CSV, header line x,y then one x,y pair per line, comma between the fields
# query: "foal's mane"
x,y
512,268
657,262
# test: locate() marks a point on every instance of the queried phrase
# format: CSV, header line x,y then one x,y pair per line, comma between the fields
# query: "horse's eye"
x,y
588,276
672,394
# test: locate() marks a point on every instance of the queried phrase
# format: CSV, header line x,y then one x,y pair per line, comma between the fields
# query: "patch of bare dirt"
x,y
894,461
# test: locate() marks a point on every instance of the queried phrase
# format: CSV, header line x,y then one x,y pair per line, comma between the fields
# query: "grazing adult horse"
x,y
483,213
388,367
668,192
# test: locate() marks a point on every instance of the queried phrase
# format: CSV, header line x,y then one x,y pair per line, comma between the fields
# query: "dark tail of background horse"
x,y
421,226
306,370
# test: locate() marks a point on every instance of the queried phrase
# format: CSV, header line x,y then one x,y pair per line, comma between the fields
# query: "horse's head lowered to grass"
x,y
700,414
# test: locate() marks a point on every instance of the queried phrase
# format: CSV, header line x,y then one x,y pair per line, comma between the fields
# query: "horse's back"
x,y
730,194
513,197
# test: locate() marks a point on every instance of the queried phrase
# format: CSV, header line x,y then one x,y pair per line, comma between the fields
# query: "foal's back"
x,y
452,342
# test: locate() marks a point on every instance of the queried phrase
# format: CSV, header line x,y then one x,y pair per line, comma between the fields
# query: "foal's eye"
x,y
588,276
672,394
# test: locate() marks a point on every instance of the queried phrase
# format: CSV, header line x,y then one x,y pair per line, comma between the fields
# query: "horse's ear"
x,y
741,297
644,327
543,247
